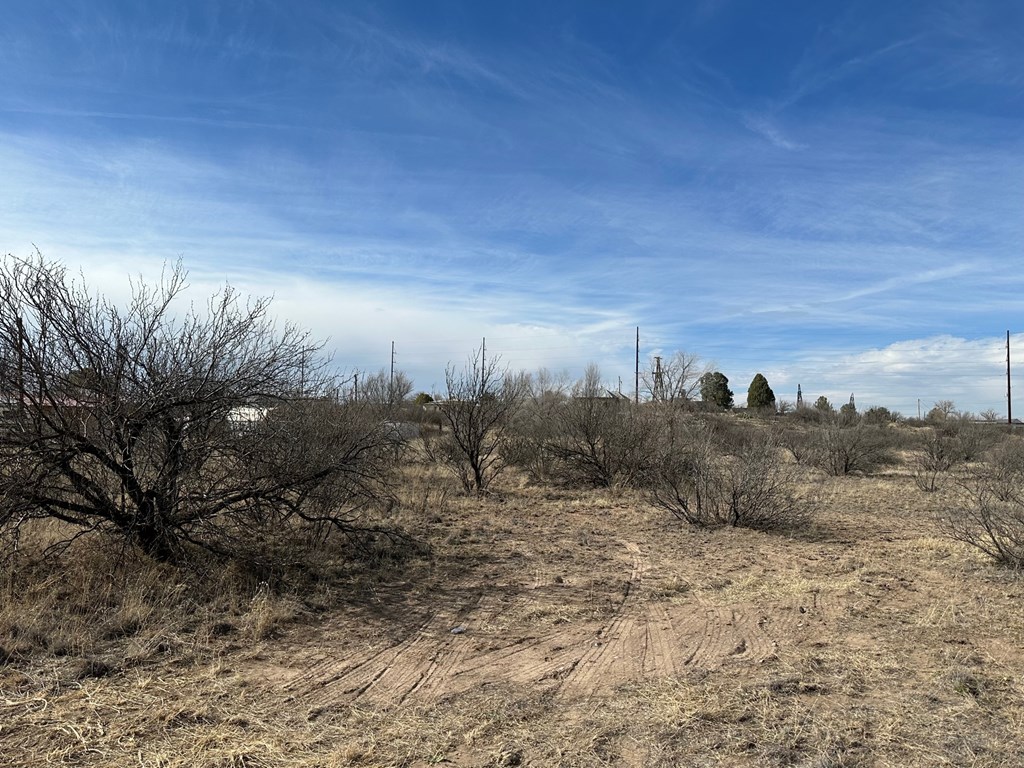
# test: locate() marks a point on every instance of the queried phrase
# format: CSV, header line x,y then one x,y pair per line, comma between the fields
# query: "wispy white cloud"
x,y
971,372
549,189
763,126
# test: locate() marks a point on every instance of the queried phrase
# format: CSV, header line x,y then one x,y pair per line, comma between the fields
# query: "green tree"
x,y
878,414
759,394
848,412
714,388
822,404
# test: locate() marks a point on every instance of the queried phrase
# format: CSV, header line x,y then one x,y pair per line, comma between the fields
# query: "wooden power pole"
x,y
1009,401
637,390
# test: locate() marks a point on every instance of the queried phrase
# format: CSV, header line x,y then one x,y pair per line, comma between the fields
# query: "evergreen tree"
x,y
759,394
822,404
714,388
848,412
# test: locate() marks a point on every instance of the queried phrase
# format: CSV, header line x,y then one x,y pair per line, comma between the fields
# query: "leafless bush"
x,y
169,430
807,414
384,392
991,524
762,488
879,414
1005,463
348,455
989,513
479,409
949,440
799,441
970,439
595,437
698,481
847,449
535,427
684,477
937,454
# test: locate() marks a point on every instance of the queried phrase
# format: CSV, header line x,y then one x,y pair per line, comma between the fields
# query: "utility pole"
x,y
637,390
483,365
355,390
391,378
1009,402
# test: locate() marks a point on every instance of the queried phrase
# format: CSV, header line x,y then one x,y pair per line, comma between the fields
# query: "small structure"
x,y
245,417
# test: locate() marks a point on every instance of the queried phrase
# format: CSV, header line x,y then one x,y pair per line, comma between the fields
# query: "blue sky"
x,y
829,193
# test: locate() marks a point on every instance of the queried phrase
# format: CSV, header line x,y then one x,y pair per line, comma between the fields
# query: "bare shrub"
x,y
597,438
948,441
989,513
699,479
587,436
384,392
799,441
969,438
166,428
989,523
535,427
762,488
684,477
937,454
879,414
481,401
1006,462
348,453
847,449
807,414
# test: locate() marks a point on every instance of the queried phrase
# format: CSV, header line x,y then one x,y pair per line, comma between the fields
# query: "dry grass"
x,y
593,632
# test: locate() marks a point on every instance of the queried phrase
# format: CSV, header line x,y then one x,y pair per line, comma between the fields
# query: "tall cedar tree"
x,y
760,395
714,388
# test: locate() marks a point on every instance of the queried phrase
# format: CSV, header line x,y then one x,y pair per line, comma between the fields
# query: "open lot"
x,y
553,627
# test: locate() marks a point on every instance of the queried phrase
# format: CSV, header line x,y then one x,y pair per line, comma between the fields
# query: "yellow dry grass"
x,y
593,631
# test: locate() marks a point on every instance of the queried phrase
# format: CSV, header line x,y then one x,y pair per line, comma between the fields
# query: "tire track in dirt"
x,y
529,660
800,615
620,651
353,673
731,634
643,638
436,674
423,665
660,641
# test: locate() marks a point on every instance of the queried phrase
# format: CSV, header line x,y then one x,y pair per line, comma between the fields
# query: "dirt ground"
x,y
568,628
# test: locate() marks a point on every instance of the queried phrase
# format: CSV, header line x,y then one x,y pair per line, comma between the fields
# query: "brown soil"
x,y
563,628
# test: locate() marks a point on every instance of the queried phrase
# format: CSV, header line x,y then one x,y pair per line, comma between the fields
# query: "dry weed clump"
x,y
102,608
